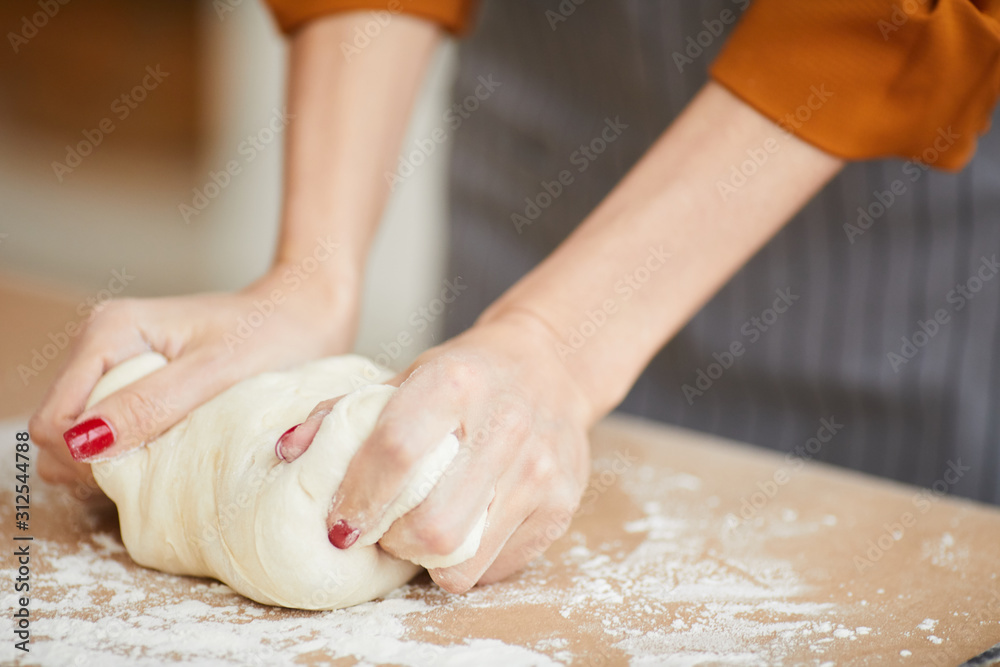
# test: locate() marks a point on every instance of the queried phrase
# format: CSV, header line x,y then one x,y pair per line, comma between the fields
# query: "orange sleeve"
x,y
454,15
865,79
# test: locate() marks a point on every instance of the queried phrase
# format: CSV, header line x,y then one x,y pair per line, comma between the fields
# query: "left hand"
x,y
198,335
522,422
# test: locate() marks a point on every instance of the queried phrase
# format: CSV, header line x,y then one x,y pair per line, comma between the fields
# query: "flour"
x,y
945,553
94,607
927,624
660,578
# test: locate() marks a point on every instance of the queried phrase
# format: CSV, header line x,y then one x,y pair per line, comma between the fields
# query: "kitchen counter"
x,y
687,550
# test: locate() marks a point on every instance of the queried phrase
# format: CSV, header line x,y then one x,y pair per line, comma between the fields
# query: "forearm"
x,y
669,204
348,119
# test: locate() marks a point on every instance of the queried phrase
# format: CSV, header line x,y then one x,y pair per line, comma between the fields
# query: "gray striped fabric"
x,y
932,418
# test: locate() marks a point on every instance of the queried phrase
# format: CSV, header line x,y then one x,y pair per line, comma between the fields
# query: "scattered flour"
x,y
945,553
680,586
675,593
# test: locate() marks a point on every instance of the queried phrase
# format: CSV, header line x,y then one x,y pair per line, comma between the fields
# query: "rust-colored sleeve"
x,y
454,15
866,79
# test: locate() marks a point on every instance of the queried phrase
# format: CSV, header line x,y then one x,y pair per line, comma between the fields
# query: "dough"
x,y
210,498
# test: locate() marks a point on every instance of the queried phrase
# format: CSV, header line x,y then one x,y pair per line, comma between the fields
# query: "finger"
x,y
534,490
66,398
505,550
79,476
143,410
414,421
547,523
505,514
550,520
296,440
529,541
440,524
54,470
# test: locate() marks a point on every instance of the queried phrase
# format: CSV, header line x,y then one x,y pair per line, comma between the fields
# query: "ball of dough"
x,y
209,498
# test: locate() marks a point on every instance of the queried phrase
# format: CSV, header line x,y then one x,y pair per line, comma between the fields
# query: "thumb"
x,y
142,410
295,441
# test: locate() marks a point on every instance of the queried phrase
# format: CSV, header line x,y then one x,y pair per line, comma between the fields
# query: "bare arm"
x,y
670,203
521,394
346,121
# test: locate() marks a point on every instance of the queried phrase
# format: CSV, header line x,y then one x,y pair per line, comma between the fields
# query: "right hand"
x,y
207,353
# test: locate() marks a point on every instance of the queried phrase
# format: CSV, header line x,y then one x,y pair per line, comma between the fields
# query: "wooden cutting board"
x,y
687,550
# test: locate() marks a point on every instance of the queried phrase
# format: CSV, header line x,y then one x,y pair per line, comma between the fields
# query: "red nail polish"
x,y
277,445
342,535
89,438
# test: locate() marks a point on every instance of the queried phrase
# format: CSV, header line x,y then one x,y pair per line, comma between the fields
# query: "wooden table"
x,y
824,567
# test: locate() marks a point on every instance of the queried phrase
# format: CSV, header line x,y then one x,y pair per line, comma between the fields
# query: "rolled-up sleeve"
x,y
865,79
453,15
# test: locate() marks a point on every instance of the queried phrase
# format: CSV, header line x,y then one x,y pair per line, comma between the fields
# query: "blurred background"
x,y
113,115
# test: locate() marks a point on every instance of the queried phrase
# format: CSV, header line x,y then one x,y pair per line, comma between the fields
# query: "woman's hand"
x,y
347,123
634,272
522,423
211,342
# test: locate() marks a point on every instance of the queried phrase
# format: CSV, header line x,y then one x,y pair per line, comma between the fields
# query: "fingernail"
x,y
277,445
89,438
342,535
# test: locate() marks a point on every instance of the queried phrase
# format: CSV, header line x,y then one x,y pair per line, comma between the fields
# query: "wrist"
x,y
328,297
326,265
541,344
